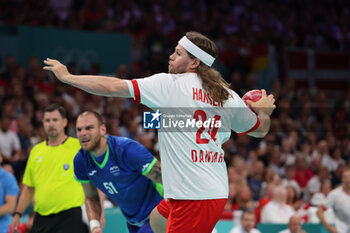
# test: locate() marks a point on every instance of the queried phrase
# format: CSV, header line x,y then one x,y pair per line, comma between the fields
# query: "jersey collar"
x,y
104,160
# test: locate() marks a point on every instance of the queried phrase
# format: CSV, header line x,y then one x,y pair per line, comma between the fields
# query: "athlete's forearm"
x,y
264,126
320,215
155,173
92,201
101,196
99,85
9,206
93,208
25,198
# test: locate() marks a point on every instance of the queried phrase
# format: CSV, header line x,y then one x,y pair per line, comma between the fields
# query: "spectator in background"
x,y
33,66
336,176
314,184
294,225
319,198
255,179
276,164
24,134
339,200
287,155
247,223
302,173
243,200
320,156
277,210
10,69
9,142
8,196
337,158
264,200
289,179
240,166
293,198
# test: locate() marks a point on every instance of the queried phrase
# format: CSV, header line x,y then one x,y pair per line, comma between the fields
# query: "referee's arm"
x,y
25,198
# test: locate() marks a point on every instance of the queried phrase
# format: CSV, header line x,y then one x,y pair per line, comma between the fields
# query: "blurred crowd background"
x,y
309,142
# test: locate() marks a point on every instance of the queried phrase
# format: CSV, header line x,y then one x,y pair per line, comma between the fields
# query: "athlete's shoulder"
x,y
112,139
173,77
234,100
158,76
81,155
185,77
82,152
118,141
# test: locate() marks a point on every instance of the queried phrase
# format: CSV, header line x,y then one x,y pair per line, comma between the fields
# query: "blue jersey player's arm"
x,y
93,197
140,159
154,172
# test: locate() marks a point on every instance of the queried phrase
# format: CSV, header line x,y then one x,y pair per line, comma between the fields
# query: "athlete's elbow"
x,y
258,134
118,88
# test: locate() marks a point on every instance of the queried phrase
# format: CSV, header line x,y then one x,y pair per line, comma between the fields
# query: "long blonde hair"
x,y
212,80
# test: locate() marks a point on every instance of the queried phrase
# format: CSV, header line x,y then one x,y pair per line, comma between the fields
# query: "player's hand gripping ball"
x,y
253,95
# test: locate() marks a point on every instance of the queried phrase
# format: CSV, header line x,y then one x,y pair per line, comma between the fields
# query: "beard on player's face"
x,y
91,144
178,67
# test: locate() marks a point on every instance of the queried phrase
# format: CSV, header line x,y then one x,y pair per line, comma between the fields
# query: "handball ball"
x,y
253,95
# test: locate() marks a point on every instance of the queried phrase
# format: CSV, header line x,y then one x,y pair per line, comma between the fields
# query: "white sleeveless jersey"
x,y
193,166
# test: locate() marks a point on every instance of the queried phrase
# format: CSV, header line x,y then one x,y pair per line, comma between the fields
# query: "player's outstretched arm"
x,y
97,85
93,207
264,108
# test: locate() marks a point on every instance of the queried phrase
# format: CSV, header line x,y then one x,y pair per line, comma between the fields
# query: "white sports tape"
x,y
196,51
94,223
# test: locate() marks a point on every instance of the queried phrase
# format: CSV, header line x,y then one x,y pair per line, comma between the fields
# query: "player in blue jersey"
x,y
121,168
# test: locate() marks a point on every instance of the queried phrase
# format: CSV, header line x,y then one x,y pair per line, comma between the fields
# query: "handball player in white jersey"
x,y
193,168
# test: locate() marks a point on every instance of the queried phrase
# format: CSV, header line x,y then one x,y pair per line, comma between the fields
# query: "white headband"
x,y
196,51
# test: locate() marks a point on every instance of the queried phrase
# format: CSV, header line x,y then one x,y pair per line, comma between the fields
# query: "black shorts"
x,y
68,221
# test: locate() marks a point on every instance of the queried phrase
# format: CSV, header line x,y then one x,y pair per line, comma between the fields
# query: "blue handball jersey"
x,y
120,175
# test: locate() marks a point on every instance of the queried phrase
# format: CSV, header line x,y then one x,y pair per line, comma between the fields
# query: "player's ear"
x,y
65,122
103,129
195,63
